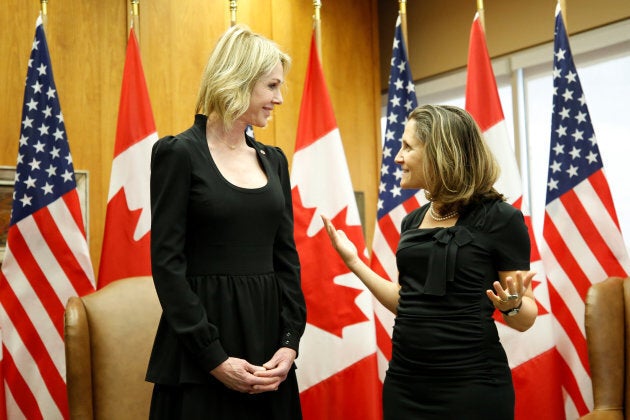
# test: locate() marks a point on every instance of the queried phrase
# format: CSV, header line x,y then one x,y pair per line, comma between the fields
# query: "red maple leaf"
x,y
329,306
126,257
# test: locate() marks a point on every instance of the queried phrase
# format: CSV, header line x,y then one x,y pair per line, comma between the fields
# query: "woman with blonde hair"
x,y
460,257
223,255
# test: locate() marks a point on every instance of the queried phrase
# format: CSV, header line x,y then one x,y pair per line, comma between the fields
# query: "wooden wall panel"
x,y
176,38
87,41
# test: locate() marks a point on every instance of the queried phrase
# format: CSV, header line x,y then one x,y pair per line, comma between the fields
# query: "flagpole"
x,y
44,8
317,26
563,10
402,10
482,17
233,8
134,19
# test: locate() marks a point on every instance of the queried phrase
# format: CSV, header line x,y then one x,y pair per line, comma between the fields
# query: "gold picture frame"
x,y
7,180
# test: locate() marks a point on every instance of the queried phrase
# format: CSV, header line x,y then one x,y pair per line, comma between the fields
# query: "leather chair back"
x,y
108,340
607,324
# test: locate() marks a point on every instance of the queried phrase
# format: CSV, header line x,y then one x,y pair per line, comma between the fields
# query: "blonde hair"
x,y
459,166
236,63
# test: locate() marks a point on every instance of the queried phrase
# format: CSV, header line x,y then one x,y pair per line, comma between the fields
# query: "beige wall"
x,y
438,31
87,41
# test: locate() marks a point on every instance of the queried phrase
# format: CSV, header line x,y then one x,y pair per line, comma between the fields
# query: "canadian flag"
x,y
126,242
337,366
532,354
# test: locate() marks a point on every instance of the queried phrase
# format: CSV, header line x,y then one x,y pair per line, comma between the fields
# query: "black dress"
x,y
447,360
227,275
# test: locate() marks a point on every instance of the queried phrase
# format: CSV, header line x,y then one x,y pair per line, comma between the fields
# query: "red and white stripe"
x,y
46,262
583,243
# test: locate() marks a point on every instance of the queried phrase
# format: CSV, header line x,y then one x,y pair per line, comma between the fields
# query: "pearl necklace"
x,y
435,216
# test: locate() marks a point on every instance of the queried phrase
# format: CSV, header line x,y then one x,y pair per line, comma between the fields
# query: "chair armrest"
x,y
78,360
604,325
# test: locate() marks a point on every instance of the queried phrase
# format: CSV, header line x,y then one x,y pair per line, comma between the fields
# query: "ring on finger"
x,y
512,297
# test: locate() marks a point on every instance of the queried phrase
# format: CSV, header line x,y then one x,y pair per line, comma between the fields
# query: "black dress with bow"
x,y
448,362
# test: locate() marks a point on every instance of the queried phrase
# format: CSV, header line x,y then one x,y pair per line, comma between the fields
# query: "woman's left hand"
x,y
510,296
514,296
277,367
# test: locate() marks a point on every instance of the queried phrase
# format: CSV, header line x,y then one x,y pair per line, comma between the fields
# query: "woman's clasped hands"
x,y
242,376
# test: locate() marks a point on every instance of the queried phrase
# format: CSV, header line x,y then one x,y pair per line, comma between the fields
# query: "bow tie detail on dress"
x,y
442,260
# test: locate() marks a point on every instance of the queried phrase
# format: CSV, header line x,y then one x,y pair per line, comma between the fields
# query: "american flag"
x,y
582,241
393,202
47,258
533,351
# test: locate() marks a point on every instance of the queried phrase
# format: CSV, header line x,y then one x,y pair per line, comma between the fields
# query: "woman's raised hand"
x,y
344,246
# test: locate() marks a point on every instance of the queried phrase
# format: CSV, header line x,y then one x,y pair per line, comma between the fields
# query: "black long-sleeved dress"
x,y
226,272
447,360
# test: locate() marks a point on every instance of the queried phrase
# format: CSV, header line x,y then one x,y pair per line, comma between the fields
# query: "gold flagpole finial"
x,y
402,6
402,10
317,4
563,9
44,11
233,8
134,7
317,25
134,18
482,17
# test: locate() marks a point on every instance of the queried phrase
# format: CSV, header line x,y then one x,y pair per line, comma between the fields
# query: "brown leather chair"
x,y
607,323
108,339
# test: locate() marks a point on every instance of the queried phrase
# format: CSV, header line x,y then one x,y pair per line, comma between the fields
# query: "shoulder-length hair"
x,y
459,166
240,58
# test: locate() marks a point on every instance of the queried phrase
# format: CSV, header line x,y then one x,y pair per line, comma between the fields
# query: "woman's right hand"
x,y
238,375
344,246
385,291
